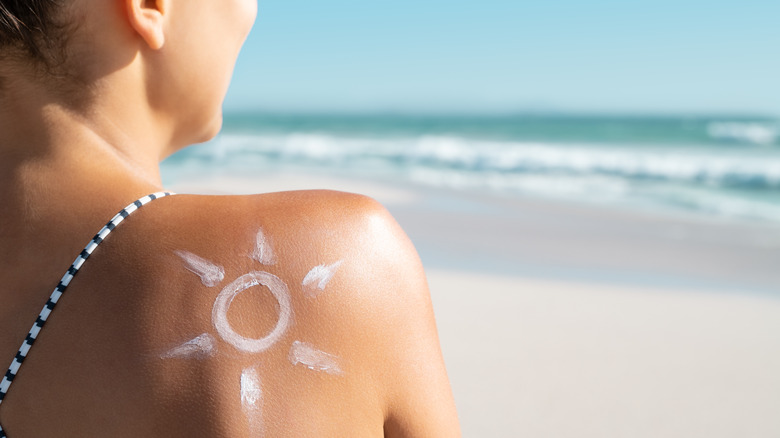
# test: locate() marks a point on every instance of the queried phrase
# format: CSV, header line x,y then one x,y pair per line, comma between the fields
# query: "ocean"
x,y
717,166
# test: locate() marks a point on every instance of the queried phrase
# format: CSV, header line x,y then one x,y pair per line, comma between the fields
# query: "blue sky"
x,y
648,56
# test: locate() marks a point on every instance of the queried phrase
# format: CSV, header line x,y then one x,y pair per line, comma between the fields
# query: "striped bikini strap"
x,y
13,370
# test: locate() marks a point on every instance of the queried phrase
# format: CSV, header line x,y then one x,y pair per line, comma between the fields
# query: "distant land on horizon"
x,y
498,113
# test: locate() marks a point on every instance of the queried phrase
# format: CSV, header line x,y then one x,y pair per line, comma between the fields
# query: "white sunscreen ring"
x,y
231,291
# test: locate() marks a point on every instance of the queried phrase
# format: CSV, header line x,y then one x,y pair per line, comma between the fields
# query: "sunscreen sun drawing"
x,y
206,345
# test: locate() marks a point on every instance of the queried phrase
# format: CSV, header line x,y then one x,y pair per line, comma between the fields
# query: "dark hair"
x,y
29,26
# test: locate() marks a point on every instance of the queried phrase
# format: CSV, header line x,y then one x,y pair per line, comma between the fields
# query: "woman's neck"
x,y
63,174
37,129
56,160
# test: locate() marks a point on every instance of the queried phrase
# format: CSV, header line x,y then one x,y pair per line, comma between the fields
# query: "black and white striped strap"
x,y
62,286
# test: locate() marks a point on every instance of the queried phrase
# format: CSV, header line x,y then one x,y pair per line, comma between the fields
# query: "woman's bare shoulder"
x,y
286,306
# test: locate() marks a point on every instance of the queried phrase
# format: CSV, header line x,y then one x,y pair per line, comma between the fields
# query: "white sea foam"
x,y
750,132
608,172
726,167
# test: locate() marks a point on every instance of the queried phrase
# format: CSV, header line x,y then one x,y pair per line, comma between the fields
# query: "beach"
x,y
548,358
570,319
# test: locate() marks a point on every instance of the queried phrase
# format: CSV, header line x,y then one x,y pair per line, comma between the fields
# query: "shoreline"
x,y
550,239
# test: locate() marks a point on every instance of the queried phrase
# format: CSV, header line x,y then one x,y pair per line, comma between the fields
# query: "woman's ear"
x,y
147,19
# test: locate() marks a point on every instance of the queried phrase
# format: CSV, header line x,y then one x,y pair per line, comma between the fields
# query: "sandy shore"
x,y
560,359
573,321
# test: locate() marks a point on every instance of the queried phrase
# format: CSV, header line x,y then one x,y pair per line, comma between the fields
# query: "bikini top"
x,y
13,370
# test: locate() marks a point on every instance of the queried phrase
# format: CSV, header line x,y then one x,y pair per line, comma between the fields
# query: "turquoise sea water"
x,y
725,166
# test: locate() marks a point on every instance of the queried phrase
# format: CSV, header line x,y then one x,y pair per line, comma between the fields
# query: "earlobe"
x,y
147,18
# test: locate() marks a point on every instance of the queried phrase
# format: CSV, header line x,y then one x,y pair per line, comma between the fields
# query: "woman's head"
x,y
202,39
174,56
26,23
29,29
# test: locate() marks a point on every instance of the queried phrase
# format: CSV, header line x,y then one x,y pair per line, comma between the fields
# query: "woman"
x,y
287,314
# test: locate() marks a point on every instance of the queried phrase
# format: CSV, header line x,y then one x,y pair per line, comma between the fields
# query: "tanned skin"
x,y
145,79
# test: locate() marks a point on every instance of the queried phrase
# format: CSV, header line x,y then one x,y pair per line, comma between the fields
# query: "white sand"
x,y
555,358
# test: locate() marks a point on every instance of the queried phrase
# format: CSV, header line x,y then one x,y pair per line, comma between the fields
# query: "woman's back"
x,y
355,343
